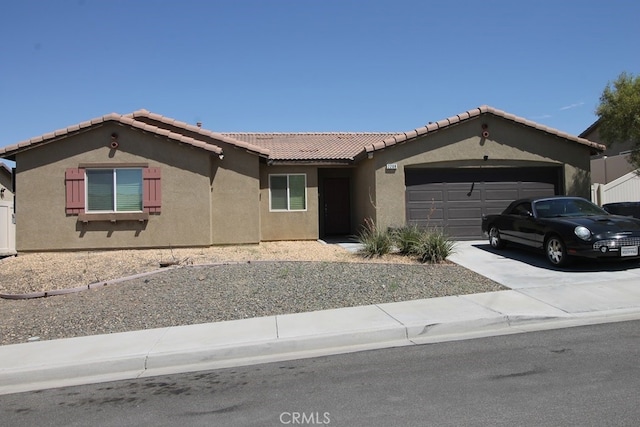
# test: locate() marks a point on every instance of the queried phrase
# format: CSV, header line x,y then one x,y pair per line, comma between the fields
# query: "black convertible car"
x,y
564,227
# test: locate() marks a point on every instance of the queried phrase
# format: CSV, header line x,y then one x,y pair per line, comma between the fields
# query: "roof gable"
x,y
474,113
163,121
11,150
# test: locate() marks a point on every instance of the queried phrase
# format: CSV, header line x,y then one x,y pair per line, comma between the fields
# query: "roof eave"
x,y
472,115
11,151
310,162
254,149
590,129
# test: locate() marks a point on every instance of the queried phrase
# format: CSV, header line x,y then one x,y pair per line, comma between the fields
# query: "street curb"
x,y
190,358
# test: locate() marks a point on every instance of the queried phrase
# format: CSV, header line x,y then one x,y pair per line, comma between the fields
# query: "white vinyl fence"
x,y
7,229
624,189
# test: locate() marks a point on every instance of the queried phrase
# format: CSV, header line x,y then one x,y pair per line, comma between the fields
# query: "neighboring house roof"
x,y
338,146
585,133
5,169
471,114
10,151
144,114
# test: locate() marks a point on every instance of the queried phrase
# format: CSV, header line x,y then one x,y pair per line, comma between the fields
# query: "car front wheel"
x,y
495,240
556,251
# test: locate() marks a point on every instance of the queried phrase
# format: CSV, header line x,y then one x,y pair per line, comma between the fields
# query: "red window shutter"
x,y
151,190
74,183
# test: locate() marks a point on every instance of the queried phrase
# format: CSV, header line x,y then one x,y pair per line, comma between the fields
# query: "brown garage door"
x,y
456,199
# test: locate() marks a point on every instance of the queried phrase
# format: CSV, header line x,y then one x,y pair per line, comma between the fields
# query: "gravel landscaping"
x,y
208,285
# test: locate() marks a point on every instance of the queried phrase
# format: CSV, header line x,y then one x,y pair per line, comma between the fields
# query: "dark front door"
x,y
337,208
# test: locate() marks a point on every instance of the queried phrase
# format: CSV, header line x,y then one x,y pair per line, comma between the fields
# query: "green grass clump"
x,y
375,242
427,244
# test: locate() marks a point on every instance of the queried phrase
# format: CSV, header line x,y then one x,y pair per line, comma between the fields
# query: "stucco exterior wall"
x,y
364,196
235,198
508,145
293,225
42,223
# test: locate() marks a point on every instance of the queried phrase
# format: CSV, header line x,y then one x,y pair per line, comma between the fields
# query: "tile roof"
x,y
144,114
330,147
11,150
470,114
306,147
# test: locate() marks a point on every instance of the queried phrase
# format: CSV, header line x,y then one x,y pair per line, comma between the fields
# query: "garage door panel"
x,y
455,201
424,214
535,191
465,195
422,195
501,194
493,210
464,213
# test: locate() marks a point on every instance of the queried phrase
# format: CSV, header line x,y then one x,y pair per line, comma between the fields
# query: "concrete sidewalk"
x,y
128,355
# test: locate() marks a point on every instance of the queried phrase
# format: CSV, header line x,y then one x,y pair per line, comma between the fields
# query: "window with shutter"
x,y
152,194
288,192
74,183
103,190
114,190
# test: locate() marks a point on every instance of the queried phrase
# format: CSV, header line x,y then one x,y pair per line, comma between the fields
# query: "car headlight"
x,y
582,232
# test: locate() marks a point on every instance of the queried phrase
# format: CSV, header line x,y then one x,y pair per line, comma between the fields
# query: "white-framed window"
x,y
114,190
288,192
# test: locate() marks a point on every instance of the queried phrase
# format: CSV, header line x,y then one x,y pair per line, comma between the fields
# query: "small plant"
x,y
375,242
434,246
407,238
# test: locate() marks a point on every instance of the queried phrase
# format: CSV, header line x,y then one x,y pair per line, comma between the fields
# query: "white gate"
x,y
624,189
7,229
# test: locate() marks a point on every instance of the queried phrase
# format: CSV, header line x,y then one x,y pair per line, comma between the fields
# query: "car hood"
x,y
606,224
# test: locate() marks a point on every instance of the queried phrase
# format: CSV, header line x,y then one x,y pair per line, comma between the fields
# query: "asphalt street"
x,y
583,376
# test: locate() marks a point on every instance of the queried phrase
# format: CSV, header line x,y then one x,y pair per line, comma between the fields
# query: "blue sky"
x,y
309,66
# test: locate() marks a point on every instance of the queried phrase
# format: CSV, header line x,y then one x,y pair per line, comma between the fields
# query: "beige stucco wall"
x,y
42,223
235,198
508,145
364,194
294,225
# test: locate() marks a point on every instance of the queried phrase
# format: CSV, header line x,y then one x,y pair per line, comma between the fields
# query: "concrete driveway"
x,y
521,268
586,287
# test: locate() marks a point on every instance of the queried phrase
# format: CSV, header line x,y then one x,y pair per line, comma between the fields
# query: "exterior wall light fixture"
x,y
485,132
114,141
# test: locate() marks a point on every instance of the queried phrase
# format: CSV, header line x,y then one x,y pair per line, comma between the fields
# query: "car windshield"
x,y
553,208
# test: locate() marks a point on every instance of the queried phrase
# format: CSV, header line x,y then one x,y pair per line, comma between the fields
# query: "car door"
x,y
524,224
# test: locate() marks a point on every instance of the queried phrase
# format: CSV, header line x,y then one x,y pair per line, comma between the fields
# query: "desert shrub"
x,y
375,242
406,239
433,246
